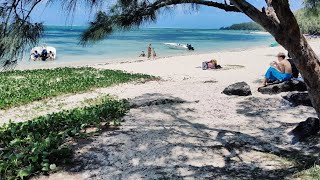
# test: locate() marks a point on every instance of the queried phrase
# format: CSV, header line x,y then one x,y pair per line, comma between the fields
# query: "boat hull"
x,y
39,49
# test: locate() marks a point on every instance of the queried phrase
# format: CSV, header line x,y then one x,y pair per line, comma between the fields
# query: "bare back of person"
x,y
286,66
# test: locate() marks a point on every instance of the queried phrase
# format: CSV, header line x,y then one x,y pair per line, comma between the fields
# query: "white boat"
x,y
178,46
40,49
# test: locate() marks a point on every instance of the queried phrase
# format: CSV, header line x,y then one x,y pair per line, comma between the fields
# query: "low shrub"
x,y
22,87
37,145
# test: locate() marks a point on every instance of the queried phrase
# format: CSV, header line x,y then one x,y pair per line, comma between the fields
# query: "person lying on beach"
x,y
212,64
142,54
278,71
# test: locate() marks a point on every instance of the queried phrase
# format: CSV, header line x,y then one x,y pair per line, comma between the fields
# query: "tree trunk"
x,y
288,34
306,60
309,66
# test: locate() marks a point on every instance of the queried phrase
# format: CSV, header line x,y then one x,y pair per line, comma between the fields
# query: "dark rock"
x,y
157,102
239,89
297,99
306,129
286,86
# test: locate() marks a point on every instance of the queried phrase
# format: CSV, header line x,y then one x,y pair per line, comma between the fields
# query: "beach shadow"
x,y
166,140
268,110
258,81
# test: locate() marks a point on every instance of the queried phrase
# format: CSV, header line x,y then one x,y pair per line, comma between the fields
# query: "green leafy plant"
x,y
39,145
22,87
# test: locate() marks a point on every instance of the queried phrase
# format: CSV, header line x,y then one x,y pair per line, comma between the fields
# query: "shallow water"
x,y
129,44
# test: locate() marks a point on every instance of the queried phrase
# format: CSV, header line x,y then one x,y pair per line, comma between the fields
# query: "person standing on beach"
x,y
154,55
149,51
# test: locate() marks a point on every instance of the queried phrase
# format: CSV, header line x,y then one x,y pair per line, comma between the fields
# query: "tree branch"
x,y
225,7
31,9
286,17
256,15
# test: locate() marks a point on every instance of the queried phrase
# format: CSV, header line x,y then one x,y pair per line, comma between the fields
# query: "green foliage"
x,y
38,145
308,21
312,173
21,87
16,31
244,26
311,3
124,15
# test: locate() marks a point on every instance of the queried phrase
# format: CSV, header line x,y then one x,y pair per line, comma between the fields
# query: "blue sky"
x,y
180,17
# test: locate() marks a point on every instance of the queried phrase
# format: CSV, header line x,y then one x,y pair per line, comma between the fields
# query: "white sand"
x,y
211,135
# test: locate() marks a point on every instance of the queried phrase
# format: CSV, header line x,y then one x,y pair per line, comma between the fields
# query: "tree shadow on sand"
x,y
168,141
304,154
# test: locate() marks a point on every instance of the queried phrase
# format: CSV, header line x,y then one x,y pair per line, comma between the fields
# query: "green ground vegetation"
x,y
22,87
39,145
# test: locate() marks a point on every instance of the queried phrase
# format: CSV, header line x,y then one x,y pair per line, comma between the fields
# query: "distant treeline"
x,y
309,23
244,26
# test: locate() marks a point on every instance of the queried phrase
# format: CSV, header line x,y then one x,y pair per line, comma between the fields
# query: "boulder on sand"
x,y
286,86
239,89
296,99
306,129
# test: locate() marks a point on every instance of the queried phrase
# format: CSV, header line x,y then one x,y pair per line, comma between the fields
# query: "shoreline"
x,y
96,62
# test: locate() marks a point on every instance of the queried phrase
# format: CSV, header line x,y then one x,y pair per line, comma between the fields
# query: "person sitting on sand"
x,y
278,71
142,54
149,51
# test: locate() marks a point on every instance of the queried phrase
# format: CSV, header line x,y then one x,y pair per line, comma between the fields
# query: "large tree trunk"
x,y
306,60
288,34
309,66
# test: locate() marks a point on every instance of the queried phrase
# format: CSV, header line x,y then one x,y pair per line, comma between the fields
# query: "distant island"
x,y
308,24
244,26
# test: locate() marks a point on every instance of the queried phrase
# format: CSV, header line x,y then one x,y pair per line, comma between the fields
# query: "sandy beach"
x,y
183,127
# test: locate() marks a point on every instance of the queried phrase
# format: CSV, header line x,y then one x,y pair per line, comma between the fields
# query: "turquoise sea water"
x,y
127,45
